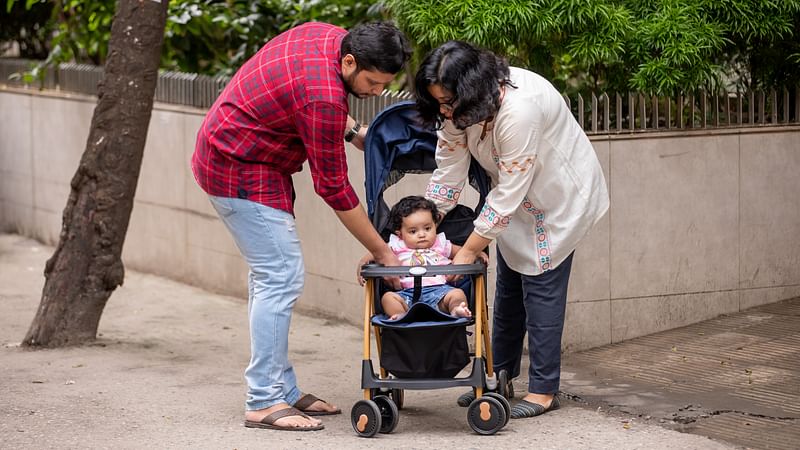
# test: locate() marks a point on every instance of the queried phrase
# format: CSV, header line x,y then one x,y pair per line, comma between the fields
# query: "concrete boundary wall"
x,y
702,223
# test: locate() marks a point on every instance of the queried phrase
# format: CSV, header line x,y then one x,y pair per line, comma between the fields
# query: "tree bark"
x,y
87,265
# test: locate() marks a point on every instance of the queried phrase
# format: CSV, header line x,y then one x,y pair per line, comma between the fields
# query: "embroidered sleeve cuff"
x,y
445,197
490,223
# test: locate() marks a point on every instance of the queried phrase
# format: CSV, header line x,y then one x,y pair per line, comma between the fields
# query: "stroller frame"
x,y
487,414
397,143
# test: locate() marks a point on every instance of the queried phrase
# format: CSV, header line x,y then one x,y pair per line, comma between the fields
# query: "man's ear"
x,y
349,63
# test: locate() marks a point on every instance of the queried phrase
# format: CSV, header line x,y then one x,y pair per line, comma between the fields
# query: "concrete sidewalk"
x,y
735,377
166,372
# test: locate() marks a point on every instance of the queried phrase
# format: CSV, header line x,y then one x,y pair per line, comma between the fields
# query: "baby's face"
x,y
418,230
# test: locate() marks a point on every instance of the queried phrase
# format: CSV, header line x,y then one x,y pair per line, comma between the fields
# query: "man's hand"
x,y
358,140
388,258
366,259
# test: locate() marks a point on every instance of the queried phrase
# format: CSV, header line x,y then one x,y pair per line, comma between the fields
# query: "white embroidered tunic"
x,y
548,188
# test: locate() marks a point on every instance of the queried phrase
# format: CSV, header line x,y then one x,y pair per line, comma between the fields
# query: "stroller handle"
x,y
374,270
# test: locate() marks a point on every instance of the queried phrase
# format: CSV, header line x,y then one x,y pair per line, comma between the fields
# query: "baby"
x,y
415,242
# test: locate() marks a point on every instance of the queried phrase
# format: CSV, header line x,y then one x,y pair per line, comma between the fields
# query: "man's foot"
x,y
315,406
461,310
297,421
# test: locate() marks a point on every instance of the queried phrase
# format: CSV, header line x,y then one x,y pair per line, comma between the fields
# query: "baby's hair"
x,y
407,206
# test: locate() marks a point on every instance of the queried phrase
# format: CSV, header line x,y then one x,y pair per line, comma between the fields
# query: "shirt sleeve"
x,y
321,126
452,168
396,244
443,246
517,140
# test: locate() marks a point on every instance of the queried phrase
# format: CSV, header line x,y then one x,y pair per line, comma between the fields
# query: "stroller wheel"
x,y
486,415
390,415
398,396
366,418
503,401
505,387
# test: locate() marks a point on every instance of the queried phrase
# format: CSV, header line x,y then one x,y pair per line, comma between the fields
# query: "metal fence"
x,y
603,114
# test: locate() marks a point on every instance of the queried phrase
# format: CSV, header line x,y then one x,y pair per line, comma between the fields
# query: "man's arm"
x,y
358,140
358,224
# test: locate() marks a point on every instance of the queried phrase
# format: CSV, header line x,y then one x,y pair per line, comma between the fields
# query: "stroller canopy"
x,y
397,143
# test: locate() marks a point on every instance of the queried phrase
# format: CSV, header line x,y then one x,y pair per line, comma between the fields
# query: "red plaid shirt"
x,y
285,105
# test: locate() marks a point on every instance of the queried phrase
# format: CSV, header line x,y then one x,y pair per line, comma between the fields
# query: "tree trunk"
x,y
87,266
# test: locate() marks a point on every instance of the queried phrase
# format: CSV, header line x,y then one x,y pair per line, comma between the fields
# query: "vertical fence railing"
x,y
606,113
634,112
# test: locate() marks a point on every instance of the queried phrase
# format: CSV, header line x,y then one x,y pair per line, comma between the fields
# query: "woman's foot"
x,y
256,416
540,399
461,310
533,405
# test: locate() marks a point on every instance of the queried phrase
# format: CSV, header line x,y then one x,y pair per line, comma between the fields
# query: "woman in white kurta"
x,y
548,190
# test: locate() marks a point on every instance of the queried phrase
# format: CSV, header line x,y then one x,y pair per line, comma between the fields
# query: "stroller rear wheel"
x,y
486,415
505,387
398,396
390,415
366,418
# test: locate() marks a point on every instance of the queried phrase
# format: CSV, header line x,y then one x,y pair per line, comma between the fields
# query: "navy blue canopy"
x,y
398,143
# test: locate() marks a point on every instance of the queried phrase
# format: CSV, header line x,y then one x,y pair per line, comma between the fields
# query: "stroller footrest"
x,y
370,381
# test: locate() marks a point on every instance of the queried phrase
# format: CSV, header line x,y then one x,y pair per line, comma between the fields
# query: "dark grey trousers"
x,y
536,305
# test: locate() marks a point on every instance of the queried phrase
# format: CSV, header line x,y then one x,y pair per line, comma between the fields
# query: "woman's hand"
x,y
484,258
464,256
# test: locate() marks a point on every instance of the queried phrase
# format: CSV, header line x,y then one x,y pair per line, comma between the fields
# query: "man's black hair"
x,y
377,46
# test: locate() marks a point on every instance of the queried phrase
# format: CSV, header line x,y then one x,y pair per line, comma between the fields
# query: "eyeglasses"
x,y
448,107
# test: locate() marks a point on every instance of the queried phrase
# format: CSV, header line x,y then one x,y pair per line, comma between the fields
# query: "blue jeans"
x,y
267,238
536,304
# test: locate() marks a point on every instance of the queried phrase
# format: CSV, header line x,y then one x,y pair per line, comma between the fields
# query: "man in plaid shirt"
x,y
287,105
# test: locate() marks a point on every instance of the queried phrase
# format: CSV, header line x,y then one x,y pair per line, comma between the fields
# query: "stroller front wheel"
x,y
486,415
365,416
503,401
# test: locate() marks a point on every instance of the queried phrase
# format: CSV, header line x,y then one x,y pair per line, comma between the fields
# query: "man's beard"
x,y
348,86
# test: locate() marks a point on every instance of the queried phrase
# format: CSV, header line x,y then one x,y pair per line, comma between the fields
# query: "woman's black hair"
x,y
377,46
473,75
407,206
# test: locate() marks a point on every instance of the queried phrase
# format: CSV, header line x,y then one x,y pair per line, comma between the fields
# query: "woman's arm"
x,y
481,255
452,168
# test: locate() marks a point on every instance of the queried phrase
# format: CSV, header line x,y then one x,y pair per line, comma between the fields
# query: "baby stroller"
x,y
426,348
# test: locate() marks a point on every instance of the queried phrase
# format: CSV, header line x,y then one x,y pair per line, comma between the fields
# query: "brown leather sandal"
x,y
268,422
309,399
